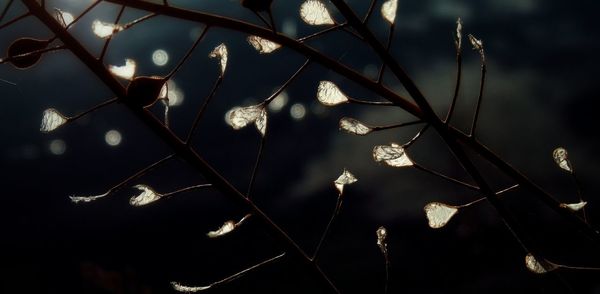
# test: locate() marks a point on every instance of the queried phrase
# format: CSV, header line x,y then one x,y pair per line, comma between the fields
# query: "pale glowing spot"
x,y
314,12
381,240
113,138
346,178
57,147
279,102
86,199
104,29
227,227
147,196
188,289
297,111
126,71
174,93
574,206
289,28
160,57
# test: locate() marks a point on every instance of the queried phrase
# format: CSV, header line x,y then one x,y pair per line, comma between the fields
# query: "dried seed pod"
x,y
145,91
257,5
20,52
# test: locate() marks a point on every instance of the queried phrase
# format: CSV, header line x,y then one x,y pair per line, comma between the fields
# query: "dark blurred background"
x,y
542,83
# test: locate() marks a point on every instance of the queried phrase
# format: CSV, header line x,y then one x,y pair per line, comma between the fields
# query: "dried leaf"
x,y
104,29
561,157
51,120
539,267
346,178
86,199
221,53
381,239
439,214
187,289
574,206
476,43
147,196
329,94
314,12
458,41
226,228
239,117
389,9
126,71
354,126
263,46
393,155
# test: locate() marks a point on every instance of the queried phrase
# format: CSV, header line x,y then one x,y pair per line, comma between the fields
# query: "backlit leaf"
x,y
389,9
439,214
392,155
538,267
187,289
239,117
126,71
314,12
263,46
329,94
104,29
147,196
561,157
85,199
354,126
574,206
221,53
51,120
345,178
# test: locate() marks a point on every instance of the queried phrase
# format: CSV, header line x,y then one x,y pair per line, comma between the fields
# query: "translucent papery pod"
x,y
561,157
105,30
315,13
389,10
329,94
147,196
126,71
263,46
222,54
540,266
346,178
52,120
439,214
393,155
240,117
227,227
354,126
574,206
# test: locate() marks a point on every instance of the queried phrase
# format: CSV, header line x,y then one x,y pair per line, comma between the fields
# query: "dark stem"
x,y
319,33
96,107
364,102
5,10
394,126
186,189
579,194
338,207
14,20
107,42
445,177
139,174
187,54
287,83
387,48
456,86
259,155
370,11
200,113
416,137
480,97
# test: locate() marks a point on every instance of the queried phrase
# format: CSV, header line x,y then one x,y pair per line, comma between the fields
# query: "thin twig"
x,y
579,194
233,277
336,212
287,83
458,45
186,189
203,107
107,42
320,33
394,126
14,20
416,137
387,48
94,108
5,10
259,155
375,103
370,11
445,177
